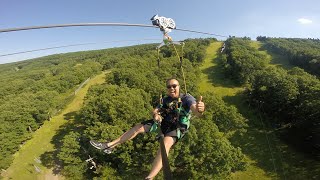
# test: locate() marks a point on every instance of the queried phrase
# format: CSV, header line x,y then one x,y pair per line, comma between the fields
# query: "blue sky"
x,y
274,18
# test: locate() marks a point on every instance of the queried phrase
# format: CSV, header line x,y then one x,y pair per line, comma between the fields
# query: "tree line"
x,y
33,91
240,60
290,99
304,53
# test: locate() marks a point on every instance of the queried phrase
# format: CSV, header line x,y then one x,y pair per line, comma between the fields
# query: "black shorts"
x,y
167,129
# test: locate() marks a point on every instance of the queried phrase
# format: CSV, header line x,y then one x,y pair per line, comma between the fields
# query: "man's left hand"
x,y
200,105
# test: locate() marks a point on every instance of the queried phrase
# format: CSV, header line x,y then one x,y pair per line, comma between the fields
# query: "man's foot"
x,y
108,150
102,146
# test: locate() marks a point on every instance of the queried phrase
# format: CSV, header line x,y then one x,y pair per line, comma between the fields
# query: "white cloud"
x,y
304,21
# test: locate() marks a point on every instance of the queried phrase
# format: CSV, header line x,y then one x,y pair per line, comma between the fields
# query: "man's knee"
x,y
169,141
139,128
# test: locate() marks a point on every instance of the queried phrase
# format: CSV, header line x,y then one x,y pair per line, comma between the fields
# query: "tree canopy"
x,y
38,88
131,91
290,99
33,91
241,60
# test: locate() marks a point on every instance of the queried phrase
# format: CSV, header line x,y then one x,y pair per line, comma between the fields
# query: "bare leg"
x,y
157,162
130,134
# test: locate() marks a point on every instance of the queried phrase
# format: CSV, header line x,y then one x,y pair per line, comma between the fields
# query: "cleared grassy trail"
x,y
275,60
290,163
23,166
213,80
268,157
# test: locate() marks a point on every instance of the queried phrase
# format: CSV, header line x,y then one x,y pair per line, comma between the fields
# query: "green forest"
x,y
32,92
35,90
291,99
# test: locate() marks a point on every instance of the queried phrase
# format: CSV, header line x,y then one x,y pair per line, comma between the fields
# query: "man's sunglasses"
x,y
172,86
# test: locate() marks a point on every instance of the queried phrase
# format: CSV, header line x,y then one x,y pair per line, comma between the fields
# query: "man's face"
x,y
173,88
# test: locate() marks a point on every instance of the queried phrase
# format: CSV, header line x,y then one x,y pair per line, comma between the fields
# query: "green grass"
x,y
268,157
41,142
290,164
274,59
212,78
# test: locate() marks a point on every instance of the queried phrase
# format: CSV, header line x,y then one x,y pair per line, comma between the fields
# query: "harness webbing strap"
x,y
181,67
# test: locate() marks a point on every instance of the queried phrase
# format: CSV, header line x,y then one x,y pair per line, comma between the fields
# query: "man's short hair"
x,y
167,81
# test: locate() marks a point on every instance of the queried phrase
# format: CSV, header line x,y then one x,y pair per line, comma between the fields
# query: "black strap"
x,y
165,162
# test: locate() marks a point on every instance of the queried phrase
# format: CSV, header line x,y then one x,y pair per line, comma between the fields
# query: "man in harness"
x,y
173,113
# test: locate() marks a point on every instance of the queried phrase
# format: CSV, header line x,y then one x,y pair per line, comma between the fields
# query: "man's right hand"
x,y
157,118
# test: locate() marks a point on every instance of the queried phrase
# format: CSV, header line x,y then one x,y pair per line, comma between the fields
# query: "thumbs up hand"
x,y
200,105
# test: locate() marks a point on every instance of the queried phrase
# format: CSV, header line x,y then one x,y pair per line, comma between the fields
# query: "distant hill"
x,y
304,53
32,91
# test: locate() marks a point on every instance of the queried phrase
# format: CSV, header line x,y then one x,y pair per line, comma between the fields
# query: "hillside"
x,y
31,92
234,139
303,53
273,146
43,141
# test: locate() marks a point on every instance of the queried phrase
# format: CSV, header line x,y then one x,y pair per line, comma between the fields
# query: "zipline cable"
x,y
98,24
199,32
73,25
72,45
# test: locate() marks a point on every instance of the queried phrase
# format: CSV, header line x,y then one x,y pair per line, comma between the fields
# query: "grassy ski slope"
x,y
25,160
268,157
